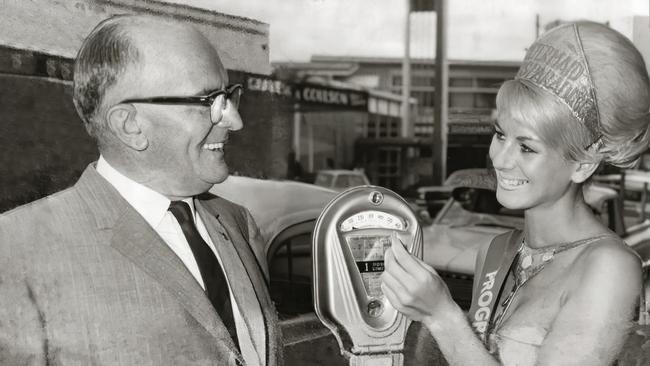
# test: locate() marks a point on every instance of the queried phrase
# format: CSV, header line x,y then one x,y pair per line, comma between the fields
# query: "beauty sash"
x,y
488,285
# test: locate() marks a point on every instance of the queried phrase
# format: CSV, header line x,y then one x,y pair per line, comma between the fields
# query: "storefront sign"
x,y
268,85
310,93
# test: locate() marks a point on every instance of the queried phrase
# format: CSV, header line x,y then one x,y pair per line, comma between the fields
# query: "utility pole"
x,y
441,96
406,73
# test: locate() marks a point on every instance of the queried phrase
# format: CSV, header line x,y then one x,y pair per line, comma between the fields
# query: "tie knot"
x,y
181,210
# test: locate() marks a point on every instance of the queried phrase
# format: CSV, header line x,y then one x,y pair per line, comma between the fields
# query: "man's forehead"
x,y
165,37
178,55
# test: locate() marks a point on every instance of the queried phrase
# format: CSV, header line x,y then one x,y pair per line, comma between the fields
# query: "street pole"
x,y
406,73
441,96
297,118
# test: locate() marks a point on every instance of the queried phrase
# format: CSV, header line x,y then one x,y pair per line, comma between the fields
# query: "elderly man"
x,y
135,265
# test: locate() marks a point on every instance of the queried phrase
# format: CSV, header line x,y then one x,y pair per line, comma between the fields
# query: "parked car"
x,y
340,180
433,198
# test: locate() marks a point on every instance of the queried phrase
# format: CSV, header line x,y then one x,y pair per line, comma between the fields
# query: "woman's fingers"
x,y
395,269
405,299
399,297
413,287
394,299
393,282
430,269
402,256
409,263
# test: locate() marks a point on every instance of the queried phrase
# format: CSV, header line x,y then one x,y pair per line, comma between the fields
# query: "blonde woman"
x,y
562,291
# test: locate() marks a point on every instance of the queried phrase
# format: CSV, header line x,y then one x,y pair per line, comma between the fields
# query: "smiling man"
x,y
135,264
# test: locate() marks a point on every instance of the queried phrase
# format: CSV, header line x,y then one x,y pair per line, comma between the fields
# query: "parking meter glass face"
x,y
368,247
368,253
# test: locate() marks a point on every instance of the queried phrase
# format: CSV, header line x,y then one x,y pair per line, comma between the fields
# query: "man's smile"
x,y
217,146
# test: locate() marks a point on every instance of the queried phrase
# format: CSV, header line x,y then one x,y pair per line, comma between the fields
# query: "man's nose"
x,y
231,119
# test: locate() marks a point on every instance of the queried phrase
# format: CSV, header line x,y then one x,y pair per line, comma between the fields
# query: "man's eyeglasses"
x,y
217,100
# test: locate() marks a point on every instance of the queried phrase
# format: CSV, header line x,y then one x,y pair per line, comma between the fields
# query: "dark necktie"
x,y
216,286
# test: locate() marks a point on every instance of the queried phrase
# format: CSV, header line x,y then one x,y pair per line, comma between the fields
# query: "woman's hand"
x,y
417,291
413,287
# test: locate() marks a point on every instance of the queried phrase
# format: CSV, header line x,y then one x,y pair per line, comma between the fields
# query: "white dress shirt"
x,y
154,208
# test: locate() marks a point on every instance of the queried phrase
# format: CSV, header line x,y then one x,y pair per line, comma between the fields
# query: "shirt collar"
x,y
151,205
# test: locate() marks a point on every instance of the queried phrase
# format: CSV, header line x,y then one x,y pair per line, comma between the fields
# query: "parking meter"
x,y
351,235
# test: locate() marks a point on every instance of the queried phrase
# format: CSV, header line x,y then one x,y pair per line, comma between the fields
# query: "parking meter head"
x,y
350,239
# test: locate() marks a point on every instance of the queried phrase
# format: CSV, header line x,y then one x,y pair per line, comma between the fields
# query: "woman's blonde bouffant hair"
x,y
622,92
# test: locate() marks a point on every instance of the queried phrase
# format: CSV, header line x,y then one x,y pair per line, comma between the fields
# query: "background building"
x,y
397,161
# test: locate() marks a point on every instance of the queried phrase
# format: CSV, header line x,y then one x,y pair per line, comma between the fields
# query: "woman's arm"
x,y
416,290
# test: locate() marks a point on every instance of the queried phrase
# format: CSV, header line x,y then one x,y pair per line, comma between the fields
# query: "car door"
x,y
306,340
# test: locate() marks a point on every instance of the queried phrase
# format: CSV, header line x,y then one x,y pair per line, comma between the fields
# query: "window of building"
x,y
485,100
425,98
393,126
460,82
388,169
489,82
461,100
426,152
416,80
423,81
383,126
423,129
372,125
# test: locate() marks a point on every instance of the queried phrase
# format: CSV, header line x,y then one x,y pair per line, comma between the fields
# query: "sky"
x,y
478,29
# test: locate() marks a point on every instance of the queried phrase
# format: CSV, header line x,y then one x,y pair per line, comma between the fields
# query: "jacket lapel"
x,y
237,267
140,244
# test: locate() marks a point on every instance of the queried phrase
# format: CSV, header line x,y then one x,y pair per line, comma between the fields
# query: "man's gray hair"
x,y
104,56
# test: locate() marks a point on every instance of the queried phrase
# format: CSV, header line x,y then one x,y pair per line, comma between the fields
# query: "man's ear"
x,y
123,123
583,172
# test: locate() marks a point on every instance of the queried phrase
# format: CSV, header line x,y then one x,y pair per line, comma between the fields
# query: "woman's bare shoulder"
x,y
610,252
610,262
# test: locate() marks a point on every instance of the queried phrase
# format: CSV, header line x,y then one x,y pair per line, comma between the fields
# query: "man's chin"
x,y
216,179
203,185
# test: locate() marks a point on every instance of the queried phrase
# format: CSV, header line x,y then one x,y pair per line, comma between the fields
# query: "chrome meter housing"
x,y
351,235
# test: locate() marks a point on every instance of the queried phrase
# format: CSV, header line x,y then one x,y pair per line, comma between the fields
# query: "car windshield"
x,y
324,180
474,206
348,180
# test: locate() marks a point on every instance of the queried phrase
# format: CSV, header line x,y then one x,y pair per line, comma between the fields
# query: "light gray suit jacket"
x,y
84,280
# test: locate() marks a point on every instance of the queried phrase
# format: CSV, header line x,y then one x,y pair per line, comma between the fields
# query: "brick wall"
x,y
43,145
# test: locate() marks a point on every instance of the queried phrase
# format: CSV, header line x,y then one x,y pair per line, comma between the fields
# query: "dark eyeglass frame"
x,y
204,100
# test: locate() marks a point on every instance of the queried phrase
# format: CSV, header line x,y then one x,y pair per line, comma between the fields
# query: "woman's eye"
x,y
499,135
526,149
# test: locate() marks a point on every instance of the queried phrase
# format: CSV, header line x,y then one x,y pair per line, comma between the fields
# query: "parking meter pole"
x,y
392,359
